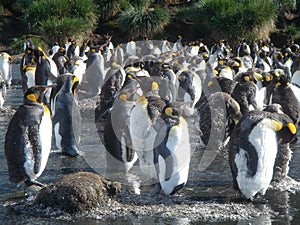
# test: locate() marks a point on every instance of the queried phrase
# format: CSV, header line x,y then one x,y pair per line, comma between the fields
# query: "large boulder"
x,y
78,192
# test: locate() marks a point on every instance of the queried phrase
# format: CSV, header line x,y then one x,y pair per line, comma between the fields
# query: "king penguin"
x,y
172,152
143,118
46,69
284,95
66,117
28,138
217,117
28,67
113,83
95,72
5,67
253,148
189,90
117,139
245,91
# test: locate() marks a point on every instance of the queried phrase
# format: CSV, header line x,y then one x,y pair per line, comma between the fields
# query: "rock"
x,y
78,192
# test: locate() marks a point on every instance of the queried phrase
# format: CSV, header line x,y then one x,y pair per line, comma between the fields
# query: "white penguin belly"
x,y
296,91
30,74
45,133
45,136
2,98
265,141
57,136
260,97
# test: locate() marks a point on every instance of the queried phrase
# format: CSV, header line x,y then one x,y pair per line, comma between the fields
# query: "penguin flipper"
x,y
35,143
130,152
165,153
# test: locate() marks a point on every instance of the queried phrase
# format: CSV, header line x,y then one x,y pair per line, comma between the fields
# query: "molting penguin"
x,y
226,85
253,148
5,67
172,152
112,85
284,95
246,91
217,117
28,138
66,117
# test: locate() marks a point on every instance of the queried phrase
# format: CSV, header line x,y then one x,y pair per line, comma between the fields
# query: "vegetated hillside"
x,y
10,27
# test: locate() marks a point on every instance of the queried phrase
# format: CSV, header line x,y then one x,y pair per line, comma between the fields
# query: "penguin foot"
x,y
29,183
258,199
71,152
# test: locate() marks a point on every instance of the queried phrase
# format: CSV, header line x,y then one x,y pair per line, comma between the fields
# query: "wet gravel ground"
x,y
149,205
184,207
231,206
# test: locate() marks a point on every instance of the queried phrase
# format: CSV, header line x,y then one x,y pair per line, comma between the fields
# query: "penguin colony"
x,y
149,93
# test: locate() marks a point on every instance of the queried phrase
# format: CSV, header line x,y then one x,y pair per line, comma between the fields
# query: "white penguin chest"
x,y
45,133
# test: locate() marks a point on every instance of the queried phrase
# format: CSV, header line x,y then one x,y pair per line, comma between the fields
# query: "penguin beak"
x,y
280,140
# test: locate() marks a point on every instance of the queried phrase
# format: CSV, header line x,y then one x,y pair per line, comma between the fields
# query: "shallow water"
x,y
212,184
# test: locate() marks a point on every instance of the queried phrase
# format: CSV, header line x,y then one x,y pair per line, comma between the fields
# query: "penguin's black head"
x,y
171,114
39,53
62,50
283,81
35,94
28,46
278,56
251,75
171,111
267,78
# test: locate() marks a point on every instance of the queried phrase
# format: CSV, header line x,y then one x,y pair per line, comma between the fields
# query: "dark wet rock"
x,y
78,192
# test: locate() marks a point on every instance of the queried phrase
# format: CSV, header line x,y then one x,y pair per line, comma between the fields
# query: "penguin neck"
x,y
46,109
67,87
